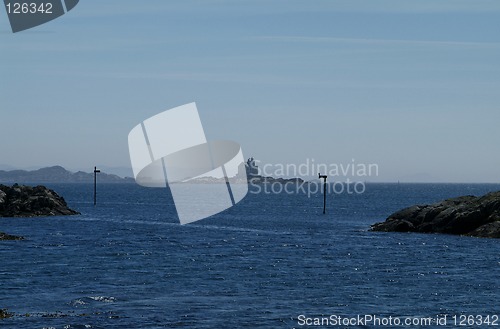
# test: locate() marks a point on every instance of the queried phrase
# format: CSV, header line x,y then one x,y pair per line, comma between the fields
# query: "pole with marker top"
x,y
95,184
324,191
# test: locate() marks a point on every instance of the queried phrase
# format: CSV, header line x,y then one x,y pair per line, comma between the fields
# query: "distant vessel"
x,y
251,168
252,173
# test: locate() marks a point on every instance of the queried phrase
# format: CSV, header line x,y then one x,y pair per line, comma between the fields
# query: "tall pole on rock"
x,y
95,184
324,191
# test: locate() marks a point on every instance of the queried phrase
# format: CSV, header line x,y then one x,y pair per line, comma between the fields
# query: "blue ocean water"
x,y
127,263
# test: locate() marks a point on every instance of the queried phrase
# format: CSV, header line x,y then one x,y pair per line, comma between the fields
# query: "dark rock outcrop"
x,y
466,215
4,314
27,201
5,236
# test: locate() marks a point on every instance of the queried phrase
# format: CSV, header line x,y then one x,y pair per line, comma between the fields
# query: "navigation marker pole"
x,y
324,191
95,184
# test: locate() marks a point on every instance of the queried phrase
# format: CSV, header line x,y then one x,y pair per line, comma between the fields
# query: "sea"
x,y
272,261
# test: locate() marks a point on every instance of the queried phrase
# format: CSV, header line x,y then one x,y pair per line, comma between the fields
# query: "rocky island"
x,y
247,173
253,177
27,201
466,215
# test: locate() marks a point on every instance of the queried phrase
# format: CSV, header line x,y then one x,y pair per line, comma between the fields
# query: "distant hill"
x,y
57,174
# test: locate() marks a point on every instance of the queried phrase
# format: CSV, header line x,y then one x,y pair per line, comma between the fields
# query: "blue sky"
x,y
410,85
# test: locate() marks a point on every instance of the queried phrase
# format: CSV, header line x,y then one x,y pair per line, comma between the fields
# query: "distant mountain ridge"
x,y
58,174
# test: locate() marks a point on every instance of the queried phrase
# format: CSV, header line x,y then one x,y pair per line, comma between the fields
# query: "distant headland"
x,y
57,174
248,172
466,215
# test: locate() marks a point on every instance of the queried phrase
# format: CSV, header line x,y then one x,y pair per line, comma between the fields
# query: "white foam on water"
x,y
104,299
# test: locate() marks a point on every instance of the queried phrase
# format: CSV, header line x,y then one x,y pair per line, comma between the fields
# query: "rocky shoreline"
x,y
466,215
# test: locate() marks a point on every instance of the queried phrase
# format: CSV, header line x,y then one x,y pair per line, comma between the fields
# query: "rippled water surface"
x,y
127,263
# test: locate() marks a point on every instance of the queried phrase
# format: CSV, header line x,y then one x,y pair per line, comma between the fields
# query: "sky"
x,y
412,86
